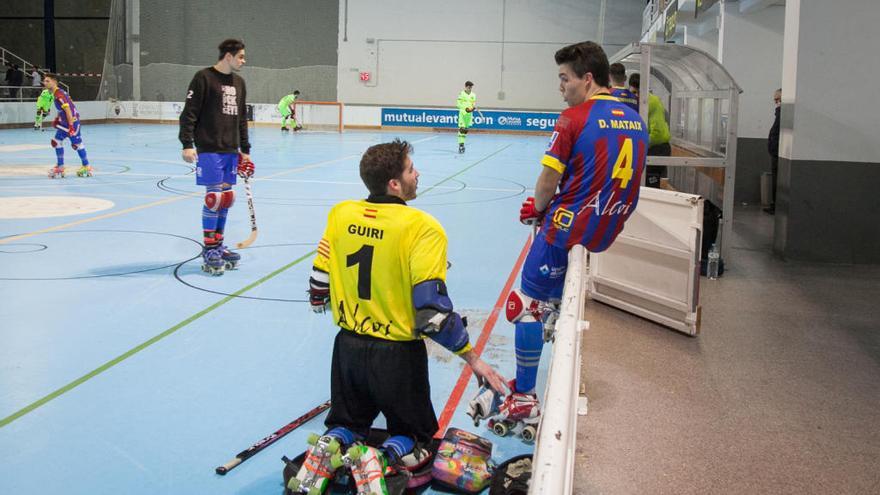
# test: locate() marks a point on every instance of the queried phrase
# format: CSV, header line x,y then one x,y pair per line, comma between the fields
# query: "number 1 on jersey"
x,y
363,257
623,166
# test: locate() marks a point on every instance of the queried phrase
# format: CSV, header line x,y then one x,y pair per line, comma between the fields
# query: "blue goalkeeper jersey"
x,y
599,148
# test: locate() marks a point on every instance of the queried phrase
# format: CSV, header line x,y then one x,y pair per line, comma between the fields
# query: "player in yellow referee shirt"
x,y
381,267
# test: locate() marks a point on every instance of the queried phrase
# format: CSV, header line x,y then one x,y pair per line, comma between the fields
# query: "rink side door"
x,y
653,268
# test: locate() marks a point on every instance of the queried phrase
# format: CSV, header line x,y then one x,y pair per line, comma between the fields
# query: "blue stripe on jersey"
x,y
595,202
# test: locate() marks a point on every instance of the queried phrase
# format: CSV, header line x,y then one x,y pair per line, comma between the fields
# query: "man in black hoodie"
x,y
214,133
773,148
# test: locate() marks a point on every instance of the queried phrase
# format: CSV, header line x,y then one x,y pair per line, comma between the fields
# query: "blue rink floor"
x,y
125,369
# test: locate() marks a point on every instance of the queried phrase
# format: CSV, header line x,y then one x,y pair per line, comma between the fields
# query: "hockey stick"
x,y
262,444
481,115
250,200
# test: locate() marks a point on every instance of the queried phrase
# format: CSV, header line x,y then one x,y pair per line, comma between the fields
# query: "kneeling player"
x,y
381,266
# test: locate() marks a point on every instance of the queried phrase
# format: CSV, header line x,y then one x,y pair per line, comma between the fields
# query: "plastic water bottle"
x,y
714,261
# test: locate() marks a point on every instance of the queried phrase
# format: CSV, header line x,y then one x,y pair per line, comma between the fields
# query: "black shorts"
x,y
371,375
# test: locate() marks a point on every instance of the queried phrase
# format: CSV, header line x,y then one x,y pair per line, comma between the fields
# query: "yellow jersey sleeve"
x,y
427,252
322,258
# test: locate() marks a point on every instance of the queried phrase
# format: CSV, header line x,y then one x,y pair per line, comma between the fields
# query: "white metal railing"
x,y
20,93
26,67
553,463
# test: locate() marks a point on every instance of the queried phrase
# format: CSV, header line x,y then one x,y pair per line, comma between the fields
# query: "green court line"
x,y
490,155
122,357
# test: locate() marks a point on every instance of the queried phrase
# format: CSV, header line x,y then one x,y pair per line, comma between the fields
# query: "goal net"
x,y
320,115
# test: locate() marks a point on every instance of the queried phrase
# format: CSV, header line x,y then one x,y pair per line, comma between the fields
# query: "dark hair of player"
x,y
468,84
231,46
383,162
635,80
584,57
618,73
50,75
296,92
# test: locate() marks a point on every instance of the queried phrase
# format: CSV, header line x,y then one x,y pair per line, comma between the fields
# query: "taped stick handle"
x,y
228,466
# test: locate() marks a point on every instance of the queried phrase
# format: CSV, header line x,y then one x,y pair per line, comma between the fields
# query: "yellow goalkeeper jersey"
x,y
375,251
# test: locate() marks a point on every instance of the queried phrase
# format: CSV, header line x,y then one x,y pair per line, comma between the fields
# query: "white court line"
x,y
9,148
83,183
167,131
341,183
146,205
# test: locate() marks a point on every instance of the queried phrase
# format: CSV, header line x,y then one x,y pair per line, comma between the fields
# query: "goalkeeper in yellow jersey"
x,y
287,107
467,103
381,267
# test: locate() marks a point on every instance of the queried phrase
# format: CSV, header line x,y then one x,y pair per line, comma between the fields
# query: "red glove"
x,y
528,214
245,168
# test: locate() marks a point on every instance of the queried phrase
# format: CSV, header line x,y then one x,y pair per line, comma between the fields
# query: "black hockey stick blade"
x,y
262,444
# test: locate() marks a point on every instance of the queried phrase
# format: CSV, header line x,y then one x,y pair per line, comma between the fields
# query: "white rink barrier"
x,y
553,463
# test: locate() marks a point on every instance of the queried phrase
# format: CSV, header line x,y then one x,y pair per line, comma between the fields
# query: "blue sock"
x,y
82,156
398,445
529,342
343,434
210,218
59,154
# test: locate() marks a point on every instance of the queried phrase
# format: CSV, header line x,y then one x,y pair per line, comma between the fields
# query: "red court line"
x,y
461,384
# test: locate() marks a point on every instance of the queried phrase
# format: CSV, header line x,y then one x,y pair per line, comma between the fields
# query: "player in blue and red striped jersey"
x,y
617,74
68,126
587,188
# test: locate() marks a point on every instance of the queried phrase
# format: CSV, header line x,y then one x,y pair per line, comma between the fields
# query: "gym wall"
x,y
420,52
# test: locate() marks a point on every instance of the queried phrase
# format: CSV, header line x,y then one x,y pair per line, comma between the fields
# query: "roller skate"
x,y
368,467
284,128
231,259
213,262
461,147
519,414
84,171
298,128
321,461
56,172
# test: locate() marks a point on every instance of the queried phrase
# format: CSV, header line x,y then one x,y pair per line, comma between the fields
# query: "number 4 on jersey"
x,y
623,166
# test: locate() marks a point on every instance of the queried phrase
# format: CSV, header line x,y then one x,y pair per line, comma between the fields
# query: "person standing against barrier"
x,y
214,135
68,125
587,189
658,130
773,148
466,103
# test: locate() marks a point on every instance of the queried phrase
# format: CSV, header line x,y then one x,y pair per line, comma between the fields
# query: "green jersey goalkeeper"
x,y
467,103
287,107
44,103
